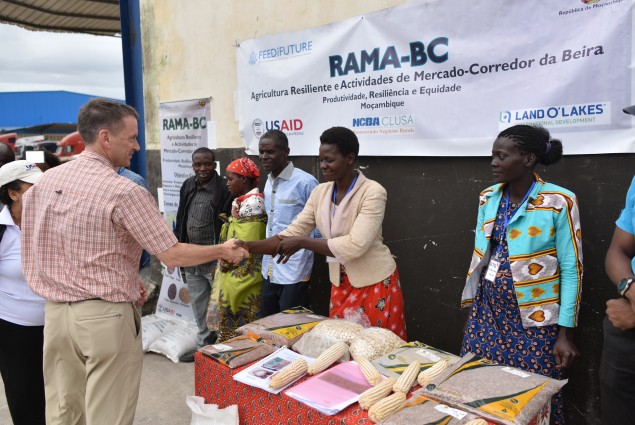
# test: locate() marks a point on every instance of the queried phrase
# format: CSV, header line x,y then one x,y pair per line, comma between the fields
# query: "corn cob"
x,y
432,372
376,393
371,374
328,357
407,378
386,407
477,422
296,369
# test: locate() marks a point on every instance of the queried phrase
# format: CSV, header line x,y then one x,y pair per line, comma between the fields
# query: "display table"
x,y
214,382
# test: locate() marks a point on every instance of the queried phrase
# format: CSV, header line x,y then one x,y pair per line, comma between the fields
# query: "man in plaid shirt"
x,y
83,230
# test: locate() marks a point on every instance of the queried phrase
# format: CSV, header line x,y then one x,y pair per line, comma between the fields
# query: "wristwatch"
x,y
624,285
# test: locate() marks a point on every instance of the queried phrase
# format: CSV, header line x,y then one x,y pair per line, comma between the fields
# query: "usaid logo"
x,y
258,127
291,126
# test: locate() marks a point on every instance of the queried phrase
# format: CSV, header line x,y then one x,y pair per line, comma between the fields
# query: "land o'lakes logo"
x,y
574,115
505,117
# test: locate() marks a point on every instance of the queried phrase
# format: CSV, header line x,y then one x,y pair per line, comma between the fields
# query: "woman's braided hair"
x,y
536,140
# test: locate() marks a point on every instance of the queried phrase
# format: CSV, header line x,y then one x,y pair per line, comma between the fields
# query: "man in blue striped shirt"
x,y
286,192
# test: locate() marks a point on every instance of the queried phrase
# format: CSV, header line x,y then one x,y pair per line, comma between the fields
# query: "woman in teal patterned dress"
x,y
524,282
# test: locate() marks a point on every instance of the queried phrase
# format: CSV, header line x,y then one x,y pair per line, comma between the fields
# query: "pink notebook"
x,y
332,390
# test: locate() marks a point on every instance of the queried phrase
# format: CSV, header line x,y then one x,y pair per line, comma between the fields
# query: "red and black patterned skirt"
x,y
381,302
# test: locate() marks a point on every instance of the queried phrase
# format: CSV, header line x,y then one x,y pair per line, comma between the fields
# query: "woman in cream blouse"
x,y
348,211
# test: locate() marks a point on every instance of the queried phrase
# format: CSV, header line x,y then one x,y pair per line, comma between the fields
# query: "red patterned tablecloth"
x,y
215,383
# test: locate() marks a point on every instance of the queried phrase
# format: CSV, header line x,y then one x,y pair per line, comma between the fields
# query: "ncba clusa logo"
x,y
385,121
289,126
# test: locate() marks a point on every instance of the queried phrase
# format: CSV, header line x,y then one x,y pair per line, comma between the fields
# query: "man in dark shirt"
x,y
202,198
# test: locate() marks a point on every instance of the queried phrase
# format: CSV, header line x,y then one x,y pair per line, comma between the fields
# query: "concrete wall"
x,y
432,202
189,48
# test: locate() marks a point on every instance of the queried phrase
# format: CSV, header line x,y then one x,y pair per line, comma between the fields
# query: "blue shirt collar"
x,y
284,174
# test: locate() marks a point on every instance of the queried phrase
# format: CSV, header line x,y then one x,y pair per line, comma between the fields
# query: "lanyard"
x,y
349,189
507,219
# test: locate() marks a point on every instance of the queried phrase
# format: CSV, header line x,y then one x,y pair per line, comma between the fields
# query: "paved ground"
x,y
164,386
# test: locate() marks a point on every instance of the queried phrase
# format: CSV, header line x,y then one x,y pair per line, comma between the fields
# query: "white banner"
x,y
442,78
183,129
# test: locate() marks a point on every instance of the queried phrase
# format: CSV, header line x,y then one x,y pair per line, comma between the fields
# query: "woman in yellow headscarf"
x,y
235,298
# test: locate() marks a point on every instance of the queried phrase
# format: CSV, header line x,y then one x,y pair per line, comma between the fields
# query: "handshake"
x,y
283,247
234,251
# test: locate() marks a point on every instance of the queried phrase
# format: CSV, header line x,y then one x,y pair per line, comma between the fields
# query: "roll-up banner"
x,y
183,129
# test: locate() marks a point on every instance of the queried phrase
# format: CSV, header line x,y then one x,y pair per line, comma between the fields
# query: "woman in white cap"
x,y
21,311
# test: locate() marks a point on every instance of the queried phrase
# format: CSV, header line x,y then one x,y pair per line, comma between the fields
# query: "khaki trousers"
x,y
92,362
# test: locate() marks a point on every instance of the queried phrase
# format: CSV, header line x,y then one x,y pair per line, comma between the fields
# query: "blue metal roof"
x,y
29,108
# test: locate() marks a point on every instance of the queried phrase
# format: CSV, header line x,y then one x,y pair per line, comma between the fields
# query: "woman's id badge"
x,y
492,269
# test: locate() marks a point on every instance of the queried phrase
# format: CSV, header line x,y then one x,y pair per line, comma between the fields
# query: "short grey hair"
x,y
100,113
